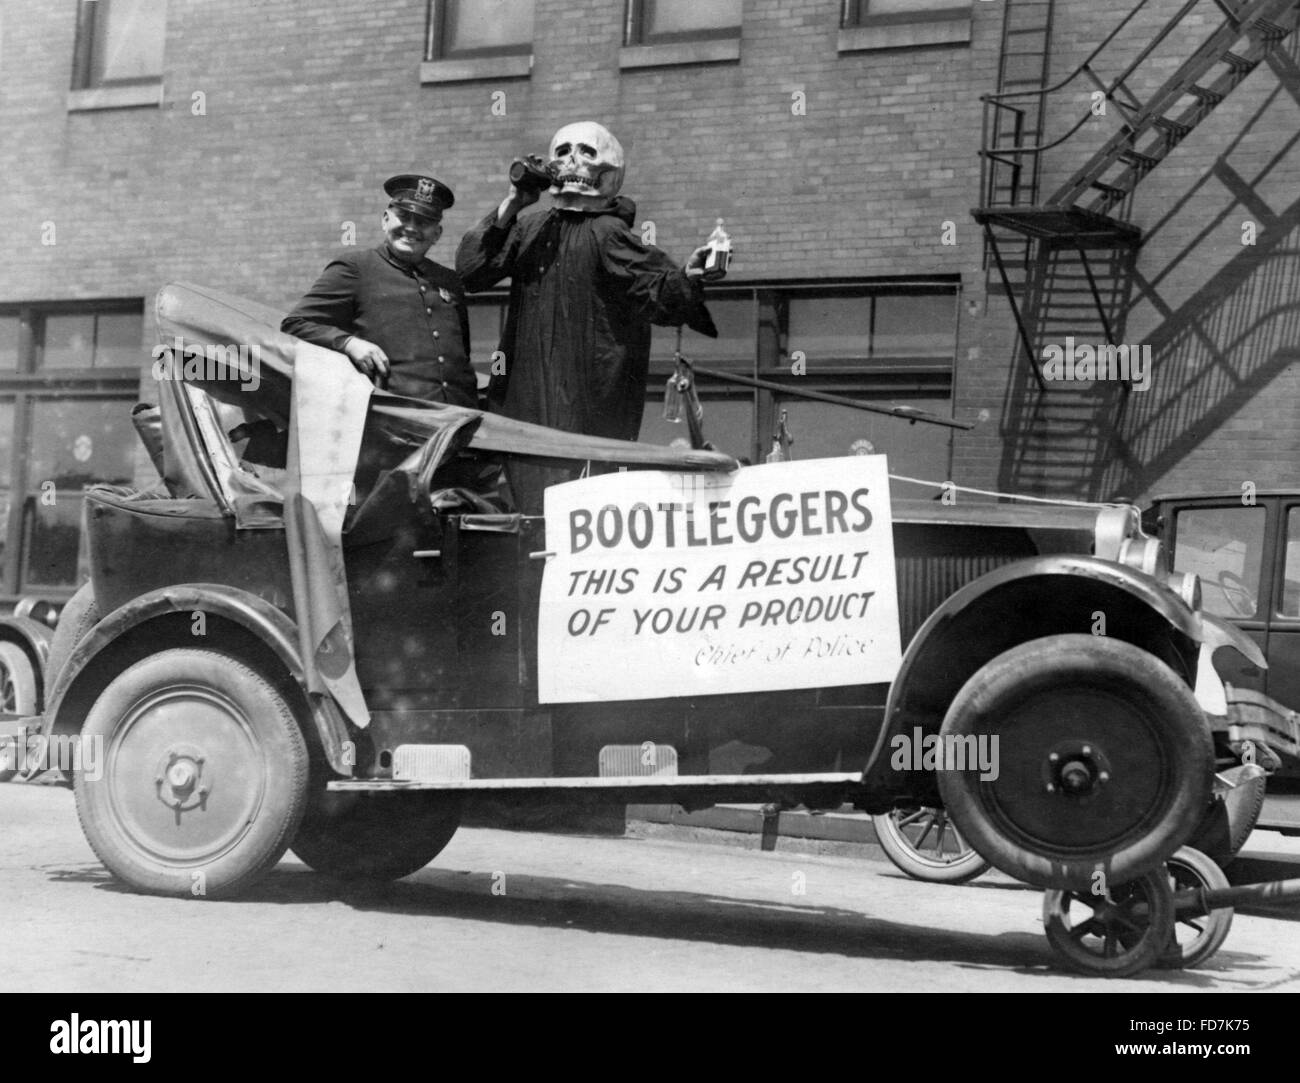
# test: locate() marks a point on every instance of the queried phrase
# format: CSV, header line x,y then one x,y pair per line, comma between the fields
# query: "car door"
x,y
1283,680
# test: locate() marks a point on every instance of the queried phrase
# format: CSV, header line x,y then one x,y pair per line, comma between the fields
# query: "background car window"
x,y
1291,583
1225,547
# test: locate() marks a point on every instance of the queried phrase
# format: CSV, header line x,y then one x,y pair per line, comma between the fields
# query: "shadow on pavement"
x,y
561,902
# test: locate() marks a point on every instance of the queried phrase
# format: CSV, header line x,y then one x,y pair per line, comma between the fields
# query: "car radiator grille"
x,y
926,582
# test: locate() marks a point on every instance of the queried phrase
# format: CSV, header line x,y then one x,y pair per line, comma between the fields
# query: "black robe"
x,y
584,292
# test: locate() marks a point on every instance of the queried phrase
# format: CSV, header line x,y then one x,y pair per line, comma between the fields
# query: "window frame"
x,y
635,32
89,13
857,13
435,42
27,384
1265,605
876,378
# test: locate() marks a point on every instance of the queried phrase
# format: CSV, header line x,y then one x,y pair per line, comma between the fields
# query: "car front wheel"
x,y
193,775
1101,762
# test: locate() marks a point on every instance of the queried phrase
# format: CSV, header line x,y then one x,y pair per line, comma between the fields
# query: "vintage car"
x,y
1244,546
325,630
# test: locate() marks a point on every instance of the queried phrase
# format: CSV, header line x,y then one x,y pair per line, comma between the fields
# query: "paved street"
x,y
569,913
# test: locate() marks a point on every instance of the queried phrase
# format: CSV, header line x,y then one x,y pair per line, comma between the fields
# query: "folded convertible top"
x,y
203,317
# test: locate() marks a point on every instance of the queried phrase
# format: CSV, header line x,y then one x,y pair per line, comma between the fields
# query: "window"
x,y
865,12
68,378
901,24
1225,548
119,42
1291,572
656,22
885,343
461,29
487,319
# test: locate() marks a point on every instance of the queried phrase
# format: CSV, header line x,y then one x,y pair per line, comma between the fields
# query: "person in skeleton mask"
x,y
584,291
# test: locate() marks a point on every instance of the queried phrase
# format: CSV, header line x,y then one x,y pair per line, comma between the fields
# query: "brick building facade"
x,y
247,140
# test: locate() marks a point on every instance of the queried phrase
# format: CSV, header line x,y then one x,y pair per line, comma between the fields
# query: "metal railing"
x,y
998,106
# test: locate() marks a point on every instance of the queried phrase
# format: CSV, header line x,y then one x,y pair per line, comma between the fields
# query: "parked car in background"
x,y
1244,546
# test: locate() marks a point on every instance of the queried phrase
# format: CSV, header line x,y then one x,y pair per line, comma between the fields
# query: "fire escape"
x,y
1061,256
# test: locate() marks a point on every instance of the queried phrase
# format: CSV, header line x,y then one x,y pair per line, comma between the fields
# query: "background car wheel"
x,y
1103,760
922,842
17,696
1112,935
203,775
358,836
77,618
1195,937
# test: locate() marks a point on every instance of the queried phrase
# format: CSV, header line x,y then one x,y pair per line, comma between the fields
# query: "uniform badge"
x,y
445,294
424,190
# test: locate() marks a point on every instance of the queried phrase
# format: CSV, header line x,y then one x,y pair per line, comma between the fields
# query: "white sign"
x,y
776,576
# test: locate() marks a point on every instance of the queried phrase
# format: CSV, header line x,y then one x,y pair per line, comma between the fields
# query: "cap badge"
x,y
424,190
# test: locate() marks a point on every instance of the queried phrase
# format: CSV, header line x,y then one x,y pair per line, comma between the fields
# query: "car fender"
x,y
1217,632
271,626
1029,599
34,638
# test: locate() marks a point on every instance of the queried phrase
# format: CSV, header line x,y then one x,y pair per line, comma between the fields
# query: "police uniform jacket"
x,y
416,315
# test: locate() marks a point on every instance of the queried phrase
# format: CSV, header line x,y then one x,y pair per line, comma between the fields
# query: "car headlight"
x,y
1143,553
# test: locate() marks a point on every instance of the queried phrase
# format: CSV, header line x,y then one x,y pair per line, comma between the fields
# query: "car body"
x,y
259,678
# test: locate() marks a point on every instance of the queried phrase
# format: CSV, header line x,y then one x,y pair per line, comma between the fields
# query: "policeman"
x,y
400,318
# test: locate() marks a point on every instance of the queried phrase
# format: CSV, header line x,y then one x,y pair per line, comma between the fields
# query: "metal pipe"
x,y
908,413
1200,901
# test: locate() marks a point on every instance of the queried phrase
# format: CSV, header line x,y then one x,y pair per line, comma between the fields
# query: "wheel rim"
x,y
8,692
1116,933
930,835
184,801
1195,937
1073,795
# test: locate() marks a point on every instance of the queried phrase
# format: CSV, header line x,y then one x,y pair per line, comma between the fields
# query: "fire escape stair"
x,y
1085,213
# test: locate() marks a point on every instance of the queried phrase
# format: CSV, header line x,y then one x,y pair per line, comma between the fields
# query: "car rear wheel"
x,y
17,696
194,775
1103,762
922,842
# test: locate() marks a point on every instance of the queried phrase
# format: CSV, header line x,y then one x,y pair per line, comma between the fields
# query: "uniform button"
x,y
444,383
435,334
422,289
441,360
429,311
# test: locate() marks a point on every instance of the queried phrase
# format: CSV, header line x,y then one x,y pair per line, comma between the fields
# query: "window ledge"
x,y
682,52
952,29
479,67
116,97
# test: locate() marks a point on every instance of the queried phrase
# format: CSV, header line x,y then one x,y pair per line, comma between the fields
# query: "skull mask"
x,y
587,162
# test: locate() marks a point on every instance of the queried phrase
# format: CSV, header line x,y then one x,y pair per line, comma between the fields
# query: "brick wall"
x,y
308,107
